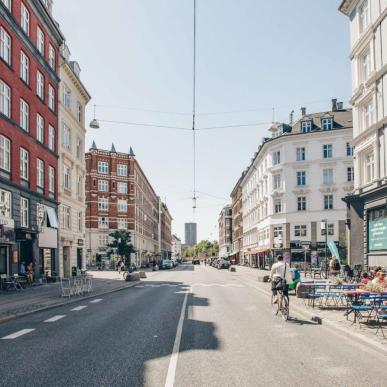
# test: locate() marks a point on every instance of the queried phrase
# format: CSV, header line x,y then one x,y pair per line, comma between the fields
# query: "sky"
x,y
252,55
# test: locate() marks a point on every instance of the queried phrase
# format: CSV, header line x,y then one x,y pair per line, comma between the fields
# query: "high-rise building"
x,y
190,233
225,232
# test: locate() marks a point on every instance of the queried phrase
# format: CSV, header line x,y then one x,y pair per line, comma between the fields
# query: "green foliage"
x,y
204,247
122,244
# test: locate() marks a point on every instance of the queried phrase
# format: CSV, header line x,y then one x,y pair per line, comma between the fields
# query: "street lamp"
x,y
94,124
324,226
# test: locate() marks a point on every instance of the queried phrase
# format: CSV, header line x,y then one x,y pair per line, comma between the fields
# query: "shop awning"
x,y
51,217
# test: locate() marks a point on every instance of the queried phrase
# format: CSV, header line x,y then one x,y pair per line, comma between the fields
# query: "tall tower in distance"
x,y
190,233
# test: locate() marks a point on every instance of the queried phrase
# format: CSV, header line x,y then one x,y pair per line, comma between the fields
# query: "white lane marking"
x,y
96,300
79,308
17,334
55,318
139,286
170,381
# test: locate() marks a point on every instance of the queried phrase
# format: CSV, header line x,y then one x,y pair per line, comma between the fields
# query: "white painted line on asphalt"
x,y
79,308
170,381
17,334
96,301
55,318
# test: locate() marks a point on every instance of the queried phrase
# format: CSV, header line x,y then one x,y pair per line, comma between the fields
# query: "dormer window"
x,y
327,124
306,126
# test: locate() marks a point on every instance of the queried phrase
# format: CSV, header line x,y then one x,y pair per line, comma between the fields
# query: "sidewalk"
x,y
15,304
333,318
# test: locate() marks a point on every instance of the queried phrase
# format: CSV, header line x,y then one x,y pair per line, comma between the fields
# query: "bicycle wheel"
x,y
274,306
284,307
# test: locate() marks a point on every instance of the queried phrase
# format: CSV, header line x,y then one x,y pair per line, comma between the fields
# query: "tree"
x,y
122,243
204,247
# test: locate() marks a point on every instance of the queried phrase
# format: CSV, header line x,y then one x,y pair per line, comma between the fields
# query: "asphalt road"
x,y
192,326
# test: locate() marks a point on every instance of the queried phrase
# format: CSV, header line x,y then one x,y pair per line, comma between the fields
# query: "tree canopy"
x,y
204,247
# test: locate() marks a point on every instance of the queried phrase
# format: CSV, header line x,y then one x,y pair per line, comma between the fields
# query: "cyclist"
x,y
280,271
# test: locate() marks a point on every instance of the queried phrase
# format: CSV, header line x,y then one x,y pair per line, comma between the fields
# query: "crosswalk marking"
x,y
78,308
55,318
17,334
96,300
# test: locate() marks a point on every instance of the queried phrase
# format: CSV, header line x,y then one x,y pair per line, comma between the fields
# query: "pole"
x,y
304,258
326,249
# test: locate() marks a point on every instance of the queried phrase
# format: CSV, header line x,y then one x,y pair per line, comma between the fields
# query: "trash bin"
x,y
74,271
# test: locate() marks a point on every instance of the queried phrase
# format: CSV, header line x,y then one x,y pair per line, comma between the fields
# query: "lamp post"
x,y
324,226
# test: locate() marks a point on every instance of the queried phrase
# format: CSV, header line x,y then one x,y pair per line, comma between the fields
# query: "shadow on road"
x,y
297,321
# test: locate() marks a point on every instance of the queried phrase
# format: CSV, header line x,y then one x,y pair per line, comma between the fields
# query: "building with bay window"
x,y
367,204
225,232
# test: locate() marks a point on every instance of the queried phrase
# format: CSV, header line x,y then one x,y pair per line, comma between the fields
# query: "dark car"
x,y
196,261
166,264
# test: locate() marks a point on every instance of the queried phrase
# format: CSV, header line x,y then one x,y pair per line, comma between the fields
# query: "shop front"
x,y
8,248
377,236
48,243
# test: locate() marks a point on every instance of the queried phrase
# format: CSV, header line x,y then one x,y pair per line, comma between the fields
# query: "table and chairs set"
x,y
15,282
76,286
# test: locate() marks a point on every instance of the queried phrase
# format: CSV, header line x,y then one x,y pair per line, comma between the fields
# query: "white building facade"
x,y
295,181
73,97
225,232
176,247
367,206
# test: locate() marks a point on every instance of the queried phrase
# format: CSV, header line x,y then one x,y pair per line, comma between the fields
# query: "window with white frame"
x,y
40,85
300,154
277,206
5,153
277,181
328,176
51,138
122,223
364,16
79,185
79,112
7,3
24,164
350,174
301,203
40,40
24,67
66,217
51,56
122,188
51,98
5,99
25,19
331,229
122,170
39,128
103,240
103,185
5,203
40,173
5,46
368,114
24,205
80,221
327,151
103,222
328,202
369,167
103,204
66,96
24,115
66,177
349,149
306,126
327,124
276,157
66,137
51,179
300,230
122,205
366,64
301,178
103,167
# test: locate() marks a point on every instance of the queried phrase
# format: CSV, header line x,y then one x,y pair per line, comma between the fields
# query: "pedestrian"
x,y
23,268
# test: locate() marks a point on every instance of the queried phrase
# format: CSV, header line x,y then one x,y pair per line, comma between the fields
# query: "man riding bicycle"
x,y
280,274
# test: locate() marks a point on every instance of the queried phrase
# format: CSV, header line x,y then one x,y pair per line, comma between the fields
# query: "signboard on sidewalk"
x,y
377,234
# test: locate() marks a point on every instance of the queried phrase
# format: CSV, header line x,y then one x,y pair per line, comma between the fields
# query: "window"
x,y
24,161
122,223
301,178
7,3
5,153
122,188
103,204
5,46
300,154
80,221
103,222
306,126
103,167
122,170
327,124
79,185
365,61
51,56
66,217
5,203
79,112
40,85
23,212
103,185
369,167
330,227
277,181
66,96
301,203
39,128
51,138
328,176
24,67
24,115
368,115
5,99
327,151
66,137
350,174
328,202
122,205
277,206
364,17
349,149
103,240
25,19
300,230
66,177
277,158
79,149
40,173
51,98
51,179
40,40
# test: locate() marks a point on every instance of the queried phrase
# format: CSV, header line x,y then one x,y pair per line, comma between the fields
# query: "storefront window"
x,y
377,229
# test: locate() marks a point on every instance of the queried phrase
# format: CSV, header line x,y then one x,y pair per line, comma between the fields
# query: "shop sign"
x,y
7,222
377,234
15,257
277,243
80,242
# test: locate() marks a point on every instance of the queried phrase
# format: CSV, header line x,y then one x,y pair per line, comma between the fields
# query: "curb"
x,y
70,302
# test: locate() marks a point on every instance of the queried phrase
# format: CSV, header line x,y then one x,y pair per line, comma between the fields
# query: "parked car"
x,y
196,261
223,263
166,264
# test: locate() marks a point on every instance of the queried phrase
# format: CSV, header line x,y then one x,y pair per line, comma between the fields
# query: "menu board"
x,y
377,234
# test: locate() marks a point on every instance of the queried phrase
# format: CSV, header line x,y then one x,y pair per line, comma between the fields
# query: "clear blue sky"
x,y
251,54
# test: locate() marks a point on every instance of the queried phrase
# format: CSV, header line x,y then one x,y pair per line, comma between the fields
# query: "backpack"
x,y
337,265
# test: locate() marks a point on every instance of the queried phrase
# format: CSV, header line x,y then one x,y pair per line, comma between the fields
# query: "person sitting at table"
x,y
375,272
365,278
380,279
22,268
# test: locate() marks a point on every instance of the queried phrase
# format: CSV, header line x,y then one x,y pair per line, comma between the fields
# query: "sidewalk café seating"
x,y
65,287
381,317
8,283
76,286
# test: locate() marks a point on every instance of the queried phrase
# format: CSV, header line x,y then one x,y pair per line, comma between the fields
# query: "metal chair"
x,y
65,287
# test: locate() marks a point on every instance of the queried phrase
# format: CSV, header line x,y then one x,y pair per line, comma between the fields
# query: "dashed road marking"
x,y
78,308
17,334
55,318
96,301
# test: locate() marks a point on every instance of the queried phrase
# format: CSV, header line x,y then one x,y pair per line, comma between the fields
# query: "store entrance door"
x,y
66,261
4,263
79,258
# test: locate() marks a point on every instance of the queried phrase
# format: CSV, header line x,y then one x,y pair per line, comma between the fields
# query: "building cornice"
x,y
76,81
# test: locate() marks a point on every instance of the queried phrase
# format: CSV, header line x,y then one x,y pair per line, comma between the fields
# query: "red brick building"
x,y
119,196
29,46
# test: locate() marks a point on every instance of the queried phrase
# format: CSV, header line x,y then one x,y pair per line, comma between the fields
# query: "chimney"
x,y
334,104
303,111
339,106
291,117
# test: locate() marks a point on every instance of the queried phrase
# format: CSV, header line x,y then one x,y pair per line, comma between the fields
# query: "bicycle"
x,y
282,304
